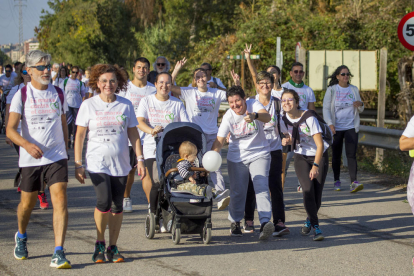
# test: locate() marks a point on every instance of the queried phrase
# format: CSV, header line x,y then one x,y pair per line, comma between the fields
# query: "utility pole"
x,y
20,5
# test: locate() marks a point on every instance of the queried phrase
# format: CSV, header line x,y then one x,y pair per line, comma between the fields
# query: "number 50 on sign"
x,y
406,31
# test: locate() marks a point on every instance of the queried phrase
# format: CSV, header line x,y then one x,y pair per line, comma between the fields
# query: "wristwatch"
x,y
256,115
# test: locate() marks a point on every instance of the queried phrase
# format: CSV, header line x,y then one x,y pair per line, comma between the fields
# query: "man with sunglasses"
x,y
212,82
160,65
75,93
306,98
43,153
7,80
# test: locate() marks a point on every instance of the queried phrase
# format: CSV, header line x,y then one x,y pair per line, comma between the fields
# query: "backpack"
x,y
24,96
326,131
276,105
66,81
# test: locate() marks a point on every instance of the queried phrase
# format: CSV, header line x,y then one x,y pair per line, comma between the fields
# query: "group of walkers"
x,y
122,118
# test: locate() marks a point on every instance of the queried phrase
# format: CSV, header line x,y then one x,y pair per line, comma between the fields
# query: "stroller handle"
x,y
195,169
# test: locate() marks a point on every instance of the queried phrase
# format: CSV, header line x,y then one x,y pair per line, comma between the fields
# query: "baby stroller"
x,y
181,212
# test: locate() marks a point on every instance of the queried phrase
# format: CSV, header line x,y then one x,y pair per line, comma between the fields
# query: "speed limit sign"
x,y
406,31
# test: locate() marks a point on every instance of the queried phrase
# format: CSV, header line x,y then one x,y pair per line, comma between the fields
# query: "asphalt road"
x,y
367,233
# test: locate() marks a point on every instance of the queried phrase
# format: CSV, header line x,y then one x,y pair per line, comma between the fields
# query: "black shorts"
x,y
132,157
33,177
151,165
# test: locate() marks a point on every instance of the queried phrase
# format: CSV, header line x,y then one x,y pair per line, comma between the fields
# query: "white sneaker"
x,y
127,205
222,204
221,194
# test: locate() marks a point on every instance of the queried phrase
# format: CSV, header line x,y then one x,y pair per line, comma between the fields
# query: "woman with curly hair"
x,y
111,122
341,107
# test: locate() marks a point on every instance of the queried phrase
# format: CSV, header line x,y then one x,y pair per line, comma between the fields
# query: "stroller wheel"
x,y
150,226
176,235
206,235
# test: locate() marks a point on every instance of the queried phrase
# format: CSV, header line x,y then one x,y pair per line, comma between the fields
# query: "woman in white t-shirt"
x,y
62,75
154,113
407,143
248,153
311,157
202,106
111,122
341,107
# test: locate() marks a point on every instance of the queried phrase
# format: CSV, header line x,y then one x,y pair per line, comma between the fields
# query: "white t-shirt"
x,y
59,82
9,98
306,144
41,125
306,94
107,150
409,130
7,82
270,128
344,109
248,140
74,92
219,83
135,94
159,113
277,94
203,107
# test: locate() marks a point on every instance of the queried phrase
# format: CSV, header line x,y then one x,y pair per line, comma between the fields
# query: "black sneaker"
x,y
235,230
280,229
113,255
248,226
266,230
20,250
306,228
99,254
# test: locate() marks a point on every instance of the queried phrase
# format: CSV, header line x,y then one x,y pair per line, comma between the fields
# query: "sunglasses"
x,y
298,72
8,71
75,72
42,67
345,74
160,64
24,72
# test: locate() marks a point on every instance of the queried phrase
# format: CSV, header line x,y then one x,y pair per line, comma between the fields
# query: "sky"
x,y
9,19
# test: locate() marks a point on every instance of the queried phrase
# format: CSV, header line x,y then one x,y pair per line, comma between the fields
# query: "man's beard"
x,y
40,80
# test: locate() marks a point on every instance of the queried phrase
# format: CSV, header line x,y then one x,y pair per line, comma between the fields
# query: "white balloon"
x,y
212,161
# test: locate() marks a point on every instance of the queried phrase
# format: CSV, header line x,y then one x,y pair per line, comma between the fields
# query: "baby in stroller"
x,y
190,181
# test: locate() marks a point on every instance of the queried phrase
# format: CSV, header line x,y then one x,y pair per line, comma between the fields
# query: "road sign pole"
x,y
242,69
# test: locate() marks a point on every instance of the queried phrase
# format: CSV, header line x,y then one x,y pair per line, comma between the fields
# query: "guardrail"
x,y
368,135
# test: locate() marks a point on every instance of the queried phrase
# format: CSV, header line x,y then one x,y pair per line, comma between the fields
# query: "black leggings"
x,y
275,187
71,119
109,192
311,189
351,145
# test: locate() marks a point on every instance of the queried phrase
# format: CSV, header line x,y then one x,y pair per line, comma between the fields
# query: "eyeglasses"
x,y
75,72
287,100
345,74
42,67
298,72
264,83
105,82
160,64
24,72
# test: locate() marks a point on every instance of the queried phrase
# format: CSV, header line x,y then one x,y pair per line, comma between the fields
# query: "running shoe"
x,y
280,229
223,198
127,205
248,226
337,185
299,189
43,201
356,186
113,254
99,254
59,260
306,228
18,190
20,250
266,230
318,234
235,230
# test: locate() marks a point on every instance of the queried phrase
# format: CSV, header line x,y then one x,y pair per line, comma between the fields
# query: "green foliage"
x,y
4,59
